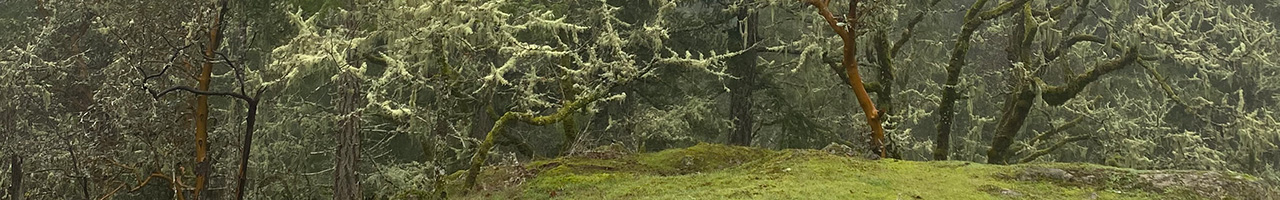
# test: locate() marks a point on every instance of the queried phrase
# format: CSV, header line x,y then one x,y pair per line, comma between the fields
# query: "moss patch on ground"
x,y
710,171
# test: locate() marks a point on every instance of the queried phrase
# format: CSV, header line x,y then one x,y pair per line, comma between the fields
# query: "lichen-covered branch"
x,y
1058,95
1046,135
1066,44
482,152
1055,146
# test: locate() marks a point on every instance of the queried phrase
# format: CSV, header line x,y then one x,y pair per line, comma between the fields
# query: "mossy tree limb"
x,y
1055,146
1058,95
482,152
1019,102
910,31
1066,44
1048,134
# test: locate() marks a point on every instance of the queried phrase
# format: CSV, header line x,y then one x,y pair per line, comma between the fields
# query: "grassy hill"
x,y
710,171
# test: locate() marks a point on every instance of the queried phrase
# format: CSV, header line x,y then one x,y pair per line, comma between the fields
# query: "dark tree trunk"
x,y
883,56
346,178
1020,100
346,184
743,67
1016,107
15,177
973,18
75,164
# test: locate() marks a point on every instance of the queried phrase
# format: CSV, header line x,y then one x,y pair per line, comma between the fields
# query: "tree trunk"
x,y
346,184
15,178
346,178
1019,101
1017,105
884,94
743,67
203,166
848,34
973,18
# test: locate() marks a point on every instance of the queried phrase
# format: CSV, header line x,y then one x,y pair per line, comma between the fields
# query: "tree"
x,y
974,18
15,178
847,29
743,68
593,69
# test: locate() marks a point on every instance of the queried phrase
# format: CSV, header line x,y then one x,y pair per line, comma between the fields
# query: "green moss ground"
x,y
709,171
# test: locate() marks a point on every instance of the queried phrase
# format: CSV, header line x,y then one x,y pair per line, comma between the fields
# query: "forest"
x,y
535,99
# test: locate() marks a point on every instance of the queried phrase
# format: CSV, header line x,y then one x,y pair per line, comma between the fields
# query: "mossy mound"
x,y
710,171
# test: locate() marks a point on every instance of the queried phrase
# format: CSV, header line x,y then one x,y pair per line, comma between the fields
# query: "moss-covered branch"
x,y
1001,9
1066,44
1058,95
482,152
1055,146
1046,135
910,31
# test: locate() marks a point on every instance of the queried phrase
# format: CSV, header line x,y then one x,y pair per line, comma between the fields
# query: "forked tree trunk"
x,y
1018,103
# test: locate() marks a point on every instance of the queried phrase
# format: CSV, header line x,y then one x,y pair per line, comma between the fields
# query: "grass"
x,y
709,171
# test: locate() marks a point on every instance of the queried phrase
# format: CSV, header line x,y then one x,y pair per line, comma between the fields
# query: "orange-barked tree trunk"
x,y
203,167
848,35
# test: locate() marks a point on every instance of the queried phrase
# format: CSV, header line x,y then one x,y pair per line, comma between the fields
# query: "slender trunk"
x,y
850,61
203,166
569,125
75,166
15,178
950,92
884,57
743,66
246,146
